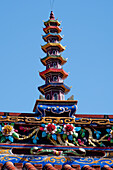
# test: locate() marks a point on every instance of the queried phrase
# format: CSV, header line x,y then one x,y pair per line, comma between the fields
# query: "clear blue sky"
x,y
88,29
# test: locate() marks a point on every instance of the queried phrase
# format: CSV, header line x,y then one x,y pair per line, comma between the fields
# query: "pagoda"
x,y
54,136
54,75
54,89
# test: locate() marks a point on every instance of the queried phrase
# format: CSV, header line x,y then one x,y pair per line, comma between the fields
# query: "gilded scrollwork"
x,y
39,120
54,109
57,160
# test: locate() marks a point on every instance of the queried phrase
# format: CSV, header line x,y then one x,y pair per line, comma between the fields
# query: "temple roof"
x,y
56,85
61,47
49,21
52,35
53,70
52,27
49,166
59,57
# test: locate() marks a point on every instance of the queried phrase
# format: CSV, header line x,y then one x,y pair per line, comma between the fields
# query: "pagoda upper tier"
x,y
54,75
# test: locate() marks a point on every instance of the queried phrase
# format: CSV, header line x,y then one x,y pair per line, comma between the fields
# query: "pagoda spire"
x,y
54,87
52,16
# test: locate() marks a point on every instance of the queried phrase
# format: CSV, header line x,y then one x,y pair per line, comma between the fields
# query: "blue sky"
x,y
88,35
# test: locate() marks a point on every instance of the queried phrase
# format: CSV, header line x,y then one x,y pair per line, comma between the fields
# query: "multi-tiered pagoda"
x,y
54,75
54,136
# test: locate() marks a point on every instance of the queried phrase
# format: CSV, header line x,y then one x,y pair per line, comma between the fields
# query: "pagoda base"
x,y
55,108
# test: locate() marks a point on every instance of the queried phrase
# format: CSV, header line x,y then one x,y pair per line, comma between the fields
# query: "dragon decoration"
x,y
64,134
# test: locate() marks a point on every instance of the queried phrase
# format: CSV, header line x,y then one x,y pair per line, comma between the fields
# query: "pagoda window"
x,y
54,40
55,96
53,24
53,31
62,97
48,66
55,78
47,80
54,64
60,79
59,66
48,97
57,52
54,52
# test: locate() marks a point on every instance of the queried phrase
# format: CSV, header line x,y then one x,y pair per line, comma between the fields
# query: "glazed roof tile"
x,y
29,166
9,166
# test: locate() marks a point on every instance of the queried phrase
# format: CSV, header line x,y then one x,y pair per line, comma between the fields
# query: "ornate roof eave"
x,y
53,70
44,87
61,47
62,59
55,21
52,27
52,35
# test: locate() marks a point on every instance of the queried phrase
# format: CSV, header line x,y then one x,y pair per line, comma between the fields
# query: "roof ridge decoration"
x,y
54,88
53,64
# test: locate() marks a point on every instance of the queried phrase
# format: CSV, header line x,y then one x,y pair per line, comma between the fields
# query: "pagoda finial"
x,y
52,16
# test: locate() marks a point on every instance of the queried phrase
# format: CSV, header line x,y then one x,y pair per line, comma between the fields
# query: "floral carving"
x,y
50,128
63,134
69,129
7,130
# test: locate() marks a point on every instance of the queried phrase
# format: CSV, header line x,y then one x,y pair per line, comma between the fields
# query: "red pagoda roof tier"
x,y
52,21
52,27
43,88
61,48
59,57
52,35
53,70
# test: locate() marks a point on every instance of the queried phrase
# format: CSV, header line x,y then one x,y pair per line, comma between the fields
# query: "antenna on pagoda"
x,y
51,4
